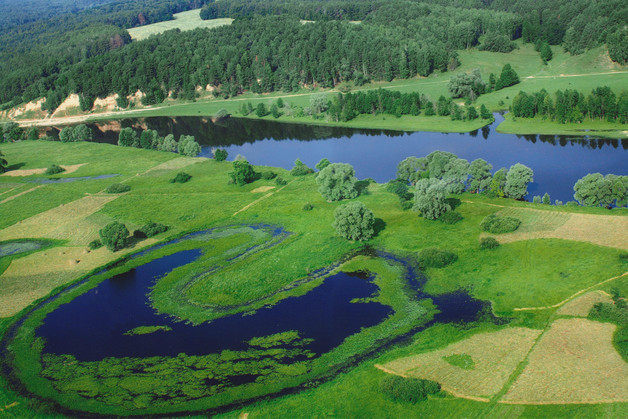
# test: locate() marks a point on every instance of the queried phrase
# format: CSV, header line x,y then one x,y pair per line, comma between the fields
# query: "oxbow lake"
x,y
557,161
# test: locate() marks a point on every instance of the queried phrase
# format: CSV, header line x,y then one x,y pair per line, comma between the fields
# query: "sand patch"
x,y
33,106
574,362
62,218
262,189
28,172
495,356
603,230
107,104
32,277
581,306
72,102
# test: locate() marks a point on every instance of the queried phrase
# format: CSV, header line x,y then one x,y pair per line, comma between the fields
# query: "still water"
x,y
557,161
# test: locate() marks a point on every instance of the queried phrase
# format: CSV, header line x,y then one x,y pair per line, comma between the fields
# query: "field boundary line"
x,y
576,75
268,195
445,388
562,402
12,189
485,203
572,296
20,194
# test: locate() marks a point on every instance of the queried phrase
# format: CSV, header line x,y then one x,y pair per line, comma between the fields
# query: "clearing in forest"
x,y
183,21
603,230
488,360
581,306
574,362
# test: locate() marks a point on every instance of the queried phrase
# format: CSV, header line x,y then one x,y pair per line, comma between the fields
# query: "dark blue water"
x,y
557,161
92,326
71,179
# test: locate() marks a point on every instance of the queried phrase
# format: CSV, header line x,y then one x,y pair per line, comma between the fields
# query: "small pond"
x,y
558,161
70,179
16,247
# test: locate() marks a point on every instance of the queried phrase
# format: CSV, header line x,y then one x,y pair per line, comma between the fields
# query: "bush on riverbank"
x,y
409,390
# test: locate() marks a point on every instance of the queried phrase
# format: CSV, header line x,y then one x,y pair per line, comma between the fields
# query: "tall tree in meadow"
x,y
517,181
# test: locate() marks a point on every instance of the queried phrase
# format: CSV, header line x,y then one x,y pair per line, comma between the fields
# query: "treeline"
x,y
303,9
345,107
31,52
572,106
19,12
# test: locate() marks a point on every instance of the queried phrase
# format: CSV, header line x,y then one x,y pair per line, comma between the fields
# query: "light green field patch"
x,y
495,356
463,361
184,21
536,220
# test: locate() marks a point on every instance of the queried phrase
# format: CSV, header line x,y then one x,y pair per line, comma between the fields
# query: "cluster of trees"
x,y
442,173
151,140
596,189
75,134
572,106
11,132
471,85
115,236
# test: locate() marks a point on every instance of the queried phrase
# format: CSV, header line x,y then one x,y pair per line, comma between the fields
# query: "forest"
x,y
269,48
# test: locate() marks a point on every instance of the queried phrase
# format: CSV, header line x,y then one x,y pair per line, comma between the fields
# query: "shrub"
x,y
269,175
488,243
436,258
398,187
497,224
243,173
280,181
300,169
115,236
139,235
181,177
450,217
354,221
54,169
323,163
308,207
117,188
153,229
95,244
410,390
221,154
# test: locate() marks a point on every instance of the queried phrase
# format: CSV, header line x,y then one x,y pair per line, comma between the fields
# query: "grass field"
x,y
495,356
581,306
185,21
524,273
574,362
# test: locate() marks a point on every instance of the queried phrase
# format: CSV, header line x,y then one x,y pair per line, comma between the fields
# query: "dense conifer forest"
x,y
84,48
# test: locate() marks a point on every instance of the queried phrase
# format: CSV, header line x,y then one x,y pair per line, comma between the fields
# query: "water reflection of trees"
x,y
230,131
584,142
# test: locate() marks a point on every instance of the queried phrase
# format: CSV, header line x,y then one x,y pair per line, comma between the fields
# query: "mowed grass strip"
x,y
581,306
60,222
574,362
603,230
495,356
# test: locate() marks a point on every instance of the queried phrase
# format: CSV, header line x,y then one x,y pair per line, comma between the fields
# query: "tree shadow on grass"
x,y
16,166
378,226
362,186
453,203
